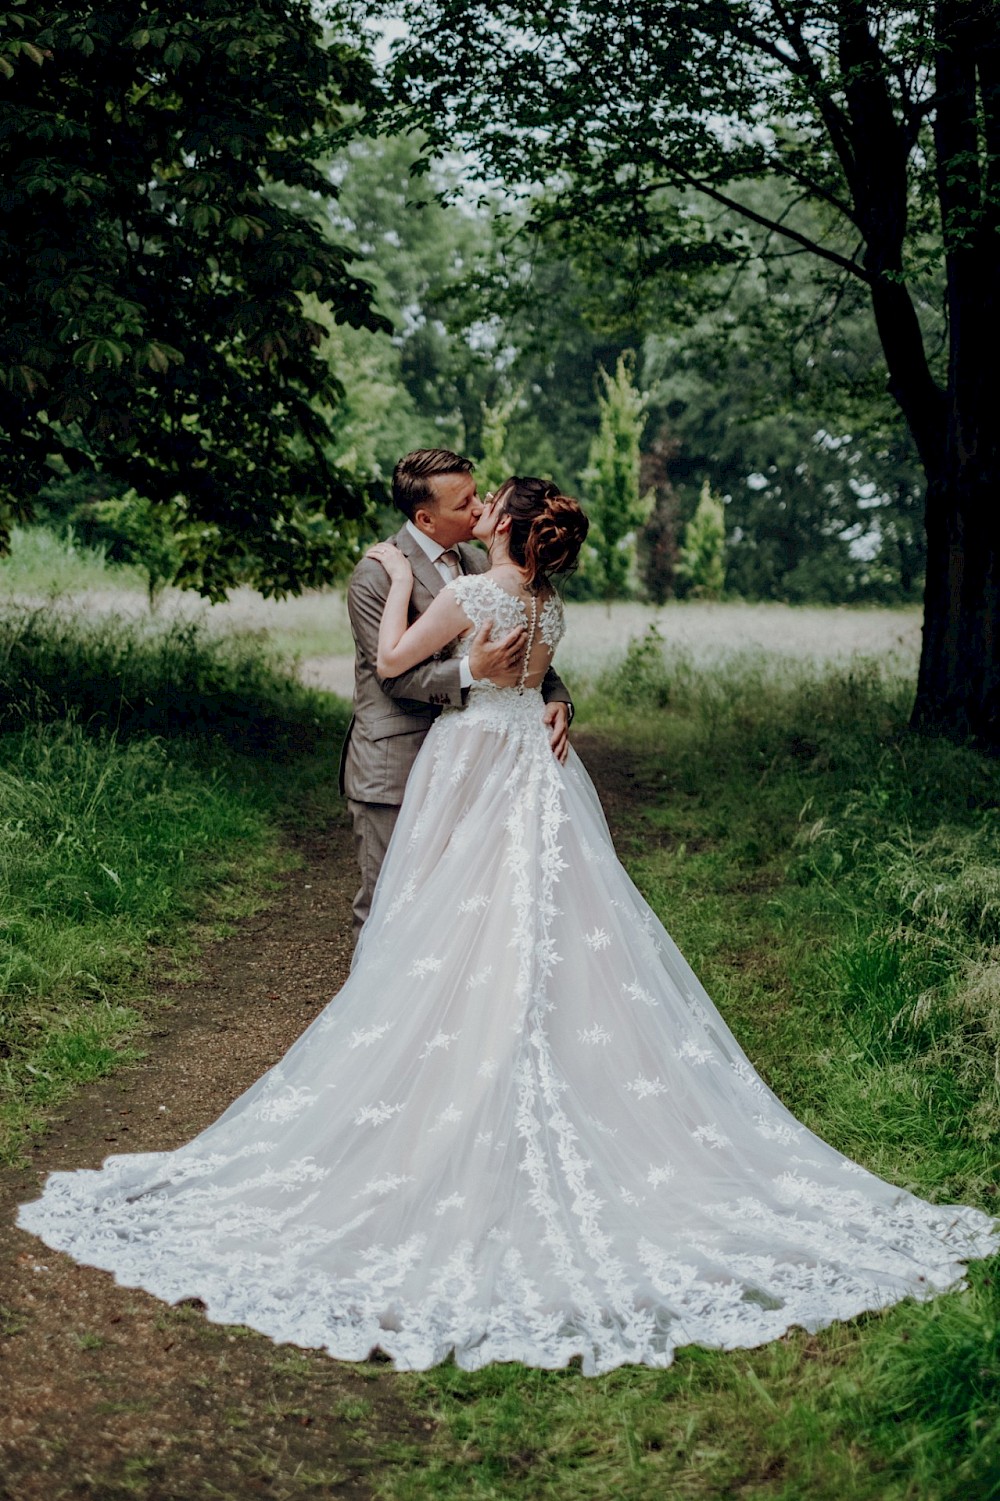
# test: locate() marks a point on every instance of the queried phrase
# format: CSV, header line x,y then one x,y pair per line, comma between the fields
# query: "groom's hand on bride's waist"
x,y
500,660
556,717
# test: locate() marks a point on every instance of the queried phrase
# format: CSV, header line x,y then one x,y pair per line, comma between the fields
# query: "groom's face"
x,y
454,511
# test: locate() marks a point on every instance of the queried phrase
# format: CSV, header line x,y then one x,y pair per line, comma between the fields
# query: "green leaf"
x,y
242,226
203,215
158,356
97,352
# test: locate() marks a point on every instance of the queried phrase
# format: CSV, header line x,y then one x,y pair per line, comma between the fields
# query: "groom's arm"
x,y
554,690
433,682
558,714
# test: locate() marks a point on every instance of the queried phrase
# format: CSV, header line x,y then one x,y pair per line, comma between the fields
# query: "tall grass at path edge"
x,y
145,776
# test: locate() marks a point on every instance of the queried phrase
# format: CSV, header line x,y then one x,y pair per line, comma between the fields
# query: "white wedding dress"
x,y
521,1131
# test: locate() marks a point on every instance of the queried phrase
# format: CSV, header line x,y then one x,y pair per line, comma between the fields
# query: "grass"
x,y
80,582
169,678
137,805
40,562
316,624
834,879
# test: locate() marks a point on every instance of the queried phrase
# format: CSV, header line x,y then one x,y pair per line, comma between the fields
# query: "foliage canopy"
x,y
152,277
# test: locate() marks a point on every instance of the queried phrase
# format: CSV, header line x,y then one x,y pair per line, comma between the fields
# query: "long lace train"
x,y
521,1130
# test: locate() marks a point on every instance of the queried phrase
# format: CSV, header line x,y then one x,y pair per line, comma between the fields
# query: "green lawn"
x,y
41,563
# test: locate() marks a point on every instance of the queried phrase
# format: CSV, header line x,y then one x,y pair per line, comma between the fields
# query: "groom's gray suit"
x,y
392,715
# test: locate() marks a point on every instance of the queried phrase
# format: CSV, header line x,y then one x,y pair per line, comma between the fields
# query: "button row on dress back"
x,y
531,642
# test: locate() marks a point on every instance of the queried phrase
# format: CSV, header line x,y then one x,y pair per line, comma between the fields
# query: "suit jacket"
x,y
392,715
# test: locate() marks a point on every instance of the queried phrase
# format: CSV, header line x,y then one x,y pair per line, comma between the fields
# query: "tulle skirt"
x,y
521,1131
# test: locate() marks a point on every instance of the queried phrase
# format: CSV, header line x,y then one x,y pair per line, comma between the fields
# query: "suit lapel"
x,y
423,568
473,559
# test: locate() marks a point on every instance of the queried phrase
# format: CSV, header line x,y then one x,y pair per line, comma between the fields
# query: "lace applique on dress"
x,y
484,600
552,624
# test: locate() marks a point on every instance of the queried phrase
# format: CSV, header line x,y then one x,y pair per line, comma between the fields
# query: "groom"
x,y
436,493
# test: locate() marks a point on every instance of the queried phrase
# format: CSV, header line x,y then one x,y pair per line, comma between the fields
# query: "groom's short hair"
x,y
411,477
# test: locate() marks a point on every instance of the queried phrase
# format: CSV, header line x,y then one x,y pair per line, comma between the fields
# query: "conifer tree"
x,y
614,502
494,466
702,560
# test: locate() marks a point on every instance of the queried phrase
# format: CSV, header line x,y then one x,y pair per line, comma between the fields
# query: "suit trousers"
x,y
373,824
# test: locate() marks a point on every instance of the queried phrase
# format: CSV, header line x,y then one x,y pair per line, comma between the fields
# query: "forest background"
x,y
511,347
737,378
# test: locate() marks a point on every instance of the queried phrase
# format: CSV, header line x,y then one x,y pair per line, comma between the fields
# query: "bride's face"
x,y
492,513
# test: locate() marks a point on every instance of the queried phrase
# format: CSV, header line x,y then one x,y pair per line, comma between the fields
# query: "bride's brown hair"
x,y
547,528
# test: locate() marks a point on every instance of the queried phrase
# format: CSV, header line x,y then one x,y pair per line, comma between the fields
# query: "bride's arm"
x,y
399,647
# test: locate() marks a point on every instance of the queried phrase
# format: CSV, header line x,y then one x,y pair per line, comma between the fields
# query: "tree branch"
x,y
838,125
765,222
781,168
881,195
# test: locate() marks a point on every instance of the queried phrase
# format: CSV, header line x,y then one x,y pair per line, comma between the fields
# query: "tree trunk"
x,y
958,689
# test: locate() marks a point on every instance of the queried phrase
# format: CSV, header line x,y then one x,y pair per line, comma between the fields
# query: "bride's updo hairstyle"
x,y
547,528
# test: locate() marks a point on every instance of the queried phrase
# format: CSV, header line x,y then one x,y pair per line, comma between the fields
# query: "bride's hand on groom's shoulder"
x,y
392,560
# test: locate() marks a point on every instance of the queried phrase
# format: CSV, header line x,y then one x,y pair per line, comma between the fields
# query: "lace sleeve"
x,y
483,600
466,589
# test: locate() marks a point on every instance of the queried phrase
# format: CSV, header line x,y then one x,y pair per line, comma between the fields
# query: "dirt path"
x,y
104,1391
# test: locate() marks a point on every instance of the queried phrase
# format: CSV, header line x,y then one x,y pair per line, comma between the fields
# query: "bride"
x,y
521,1131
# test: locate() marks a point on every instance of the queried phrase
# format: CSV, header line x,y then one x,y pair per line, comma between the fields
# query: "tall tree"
x,y
657,543
774,392
152,325
418,252
823,488
615,504
881,116
494,466
702,560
